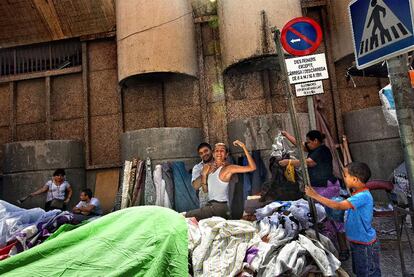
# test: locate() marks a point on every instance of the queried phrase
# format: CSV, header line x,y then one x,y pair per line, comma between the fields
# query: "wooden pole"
x,y
294,119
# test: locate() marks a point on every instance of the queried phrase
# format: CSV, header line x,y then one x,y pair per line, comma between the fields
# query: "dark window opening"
x,y
40,57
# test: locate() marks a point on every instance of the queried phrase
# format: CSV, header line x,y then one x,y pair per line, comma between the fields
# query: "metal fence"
x,y
40,57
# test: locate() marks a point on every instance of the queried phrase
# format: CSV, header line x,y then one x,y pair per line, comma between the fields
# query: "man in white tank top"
x,y
215,178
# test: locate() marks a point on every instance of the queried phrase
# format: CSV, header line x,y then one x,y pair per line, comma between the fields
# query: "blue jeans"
x,y
365,259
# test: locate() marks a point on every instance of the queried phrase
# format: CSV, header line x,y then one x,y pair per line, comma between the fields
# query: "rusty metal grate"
x,y
40,57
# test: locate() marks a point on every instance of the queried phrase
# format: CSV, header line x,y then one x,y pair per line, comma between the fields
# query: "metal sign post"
x,y
404,106
293,116
302,36
384,30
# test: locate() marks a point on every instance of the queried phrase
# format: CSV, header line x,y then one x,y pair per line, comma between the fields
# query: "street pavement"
x,y
390,259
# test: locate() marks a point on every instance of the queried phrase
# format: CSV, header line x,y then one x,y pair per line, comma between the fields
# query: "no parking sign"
x,y
301,36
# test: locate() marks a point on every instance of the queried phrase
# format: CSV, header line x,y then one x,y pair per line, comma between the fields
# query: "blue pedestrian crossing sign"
x,y
381,29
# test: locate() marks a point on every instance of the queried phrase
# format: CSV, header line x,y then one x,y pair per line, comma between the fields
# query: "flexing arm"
x,y
43,189
343,205
231,169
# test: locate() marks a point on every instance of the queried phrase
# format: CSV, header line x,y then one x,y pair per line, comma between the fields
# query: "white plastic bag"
x,y
388,105
281,148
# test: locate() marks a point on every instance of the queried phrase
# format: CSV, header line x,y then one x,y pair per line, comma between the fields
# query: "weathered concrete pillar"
x,y
162,144
155,36
243,34
28,165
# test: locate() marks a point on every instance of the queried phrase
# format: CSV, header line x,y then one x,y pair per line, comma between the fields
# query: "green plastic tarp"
x,y
138,241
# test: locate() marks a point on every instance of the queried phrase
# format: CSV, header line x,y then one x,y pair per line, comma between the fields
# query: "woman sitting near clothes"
x,y
215,178
320,168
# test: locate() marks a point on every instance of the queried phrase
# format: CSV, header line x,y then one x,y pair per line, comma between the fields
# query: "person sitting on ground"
x,y
57,189
87,208
215,178
358,219
205,152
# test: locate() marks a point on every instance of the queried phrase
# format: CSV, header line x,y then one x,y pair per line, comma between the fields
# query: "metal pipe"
x,y
404,105
294,119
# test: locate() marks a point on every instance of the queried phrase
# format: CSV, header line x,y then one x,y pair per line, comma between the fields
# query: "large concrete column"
x,y
28,165
245,30
155,36
162,144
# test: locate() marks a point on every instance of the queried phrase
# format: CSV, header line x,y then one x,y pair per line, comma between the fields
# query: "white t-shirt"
x,y
56,192
95,202
197,169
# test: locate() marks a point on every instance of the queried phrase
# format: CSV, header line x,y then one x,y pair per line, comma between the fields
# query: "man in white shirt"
x,y
206,155
88,207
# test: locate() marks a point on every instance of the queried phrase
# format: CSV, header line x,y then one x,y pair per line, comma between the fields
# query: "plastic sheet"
x,y
14,219
281,148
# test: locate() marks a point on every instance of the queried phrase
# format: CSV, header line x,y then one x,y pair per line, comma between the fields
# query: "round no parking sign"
x,y
301,36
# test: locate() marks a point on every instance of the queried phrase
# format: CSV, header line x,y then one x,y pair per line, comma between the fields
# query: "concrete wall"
x,y
67,107
103,103
374,142
162,144
360,92
29,165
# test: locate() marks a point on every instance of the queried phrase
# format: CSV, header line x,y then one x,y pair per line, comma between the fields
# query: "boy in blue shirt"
x,y
358,219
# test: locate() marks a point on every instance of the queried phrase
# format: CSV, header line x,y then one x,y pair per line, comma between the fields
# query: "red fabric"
x,y
4,252
380,185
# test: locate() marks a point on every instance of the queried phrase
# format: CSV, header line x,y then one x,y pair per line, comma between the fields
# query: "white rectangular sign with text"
x,y
307,68
308,89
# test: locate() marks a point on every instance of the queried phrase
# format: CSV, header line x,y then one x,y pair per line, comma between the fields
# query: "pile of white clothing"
x,y
271,247
281,242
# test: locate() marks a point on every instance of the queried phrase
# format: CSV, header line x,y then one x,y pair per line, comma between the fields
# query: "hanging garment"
x,y
125,184
159,192
149,190
185,195
139,184
253,180
167,176
236,201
